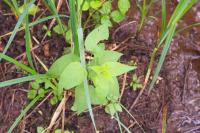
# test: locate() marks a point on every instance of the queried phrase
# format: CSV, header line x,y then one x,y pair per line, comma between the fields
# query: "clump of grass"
x,y
144,7
168,33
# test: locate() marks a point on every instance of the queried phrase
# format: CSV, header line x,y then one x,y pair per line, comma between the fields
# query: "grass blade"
x,y
23,113
187,27
86,86
118,121
74,25
17,63
19,22
163,23
127,130
28,42
79,50
21,80
163,55
51,6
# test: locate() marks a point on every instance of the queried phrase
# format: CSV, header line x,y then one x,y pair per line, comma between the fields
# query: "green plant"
x,y
167,34
144,9
135,84
17,10
101,72
103,12
94,82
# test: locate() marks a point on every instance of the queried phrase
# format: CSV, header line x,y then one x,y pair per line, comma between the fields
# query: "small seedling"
x,y
135,84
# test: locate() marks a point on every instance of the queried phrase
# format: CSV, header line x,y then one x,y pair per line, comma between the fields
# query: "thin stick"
x,y
123,85
38,105
57,113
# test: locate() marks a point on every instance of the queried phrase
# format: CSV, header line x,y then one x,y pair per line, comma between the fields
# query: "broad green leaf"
x,y
32,10
123,6
95,4
97,35
114,93
108,56
106,8
60,64
117,16
73,75
117,69
102,89
103,71
80,103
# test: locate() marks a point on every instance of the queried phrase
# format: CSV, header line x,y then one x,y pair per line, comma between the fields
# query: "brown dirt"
x,y
179,87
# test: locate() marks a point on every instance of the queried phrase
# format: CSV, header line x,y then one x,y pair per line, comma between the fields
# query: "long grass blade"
x,y
163,23
86,86
19,22
18,64
163,55
118,121
28,41
74,25
21,80
187,27
38,21
80,51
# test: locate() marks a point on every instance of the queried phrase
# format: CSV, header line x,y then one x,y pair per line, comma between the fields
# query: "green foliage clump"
x,y
101,71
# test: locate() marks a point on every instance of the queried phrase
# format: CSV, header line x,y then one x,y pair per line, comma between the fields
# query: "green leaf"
x,y
117,16
102,71
97,35
95,4
73,75
102,89
41,92
123,6
80,103
32,10
117,69
40,129
86,5
54,100
68,35
107,56
32,94
106,8
35,85
60,64
57,29
113,108
114,93
106,20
